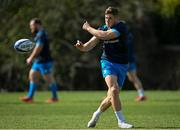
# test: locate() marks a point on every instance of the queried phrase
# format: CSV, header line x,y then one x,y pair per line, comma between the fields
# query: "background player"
x,y
42,62
132,75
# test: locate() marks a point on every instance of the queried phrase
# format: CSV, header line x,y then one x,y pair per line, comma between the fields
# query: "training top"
x,y
116,50
41,38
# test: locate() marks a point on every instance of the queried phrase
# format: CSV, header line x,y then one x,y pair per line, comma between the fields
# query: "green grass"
x,y
160,111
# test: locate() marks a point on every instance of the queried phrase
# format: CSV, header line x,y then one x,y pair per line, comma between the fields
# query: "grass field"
x,y
160,111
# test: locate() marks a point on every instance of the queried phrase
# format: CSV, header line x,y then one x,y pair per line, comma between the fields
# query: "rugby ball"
x,y
23,45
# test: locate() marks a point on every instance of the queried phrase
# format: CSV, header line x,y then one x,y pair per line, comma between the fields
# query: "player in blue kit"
x,y
132,75
114,62
42,62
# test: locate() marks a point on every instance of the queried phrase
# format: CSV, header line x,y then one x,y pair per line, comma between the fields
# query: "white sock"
x,y
97,113
119,116
141,92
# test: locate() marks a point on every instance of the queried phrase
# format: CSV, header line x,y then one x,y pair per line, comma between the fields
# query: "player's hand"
x,y
29,60
86,26
79,45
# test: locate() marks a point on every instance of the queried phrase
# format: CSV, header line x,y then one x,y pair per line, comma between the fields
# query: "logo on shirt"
x,y
112,41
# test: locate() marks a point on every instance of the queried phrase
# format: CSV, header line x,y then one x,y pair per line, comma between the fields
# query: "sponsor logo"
x,y
112,41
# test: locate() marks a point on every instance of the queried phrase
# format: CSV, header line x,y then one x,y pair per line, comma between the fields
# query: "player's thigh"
x,y
34,75
46,71
111,81
113,87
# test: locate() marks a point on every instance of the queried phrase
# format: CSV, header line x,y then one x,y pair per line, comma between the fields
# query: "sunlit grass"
x,y
160,111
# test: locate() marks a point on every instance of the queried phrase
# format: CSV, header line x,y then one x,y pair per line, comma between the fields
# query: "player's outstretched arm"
x,y
100,34
88,45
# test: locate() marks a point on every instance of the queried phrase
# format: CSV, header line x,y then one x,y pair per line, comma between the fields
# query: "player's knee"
x,y
114,89
132,79
49,79
32,77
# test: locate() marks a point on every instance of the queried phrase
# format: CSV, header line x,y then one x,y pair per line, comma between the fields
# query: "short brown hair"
x,y
37,21
112,10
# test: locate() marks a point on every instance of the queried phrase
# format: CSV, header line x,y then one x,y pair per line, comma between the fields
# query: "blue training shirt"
x,y
116,50
41,38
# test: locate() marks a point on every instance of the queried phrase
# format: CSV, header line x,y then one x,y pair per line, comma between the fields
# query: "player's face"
x,y
110,20
33,27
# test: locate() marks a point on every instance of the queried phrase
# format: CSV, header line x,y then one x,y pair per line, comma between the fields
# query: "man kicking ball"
x,y
114,62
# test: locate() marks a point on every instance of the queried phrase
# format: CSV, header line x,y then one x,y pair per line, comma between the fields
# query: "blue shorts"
x,y
132,66
43,68
119,70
